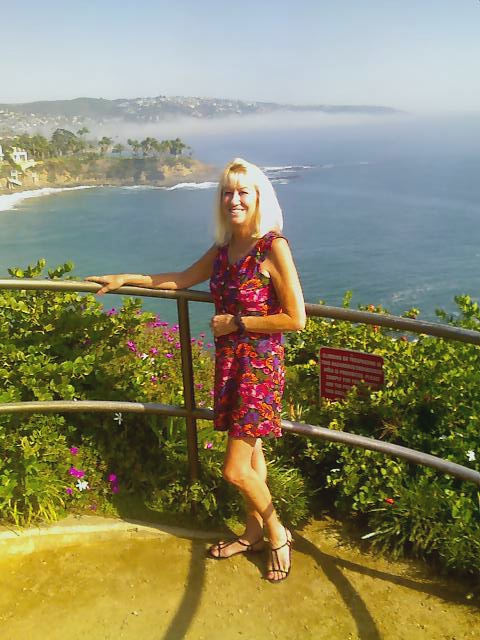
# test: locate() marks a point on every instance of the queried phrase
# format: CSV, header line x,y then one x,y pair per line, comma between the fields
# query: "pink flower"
x,y
208,445
169,355
154,379
192,340
177,345
77,473
112,477
154,351
112,312
115,488
68,490
209,344
132,346
74,451
202,335
198,385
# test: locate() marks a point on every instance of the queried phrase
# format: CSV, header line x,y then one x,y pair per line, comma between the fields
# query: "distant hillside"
x,y
66,113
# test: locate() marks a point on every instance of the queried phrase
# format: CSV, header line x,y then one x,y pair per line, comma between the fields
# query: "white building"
x,y
1,154
20,157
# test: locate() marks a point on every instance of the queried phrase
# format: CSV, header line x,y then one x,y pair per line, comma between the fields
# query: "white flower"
x,y
143,356
471,455
118,418
334,470
82,485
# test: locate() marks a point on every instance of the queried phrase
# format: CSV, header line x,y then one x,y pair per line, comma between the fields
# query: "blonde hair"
x,y
268,214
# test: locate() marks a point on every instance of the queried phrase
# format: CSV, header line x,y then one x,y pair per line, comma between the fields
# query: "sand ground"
x,y
163,587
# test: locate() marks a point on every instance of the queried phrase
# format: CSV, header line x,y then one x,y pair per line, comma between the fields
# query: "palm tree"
x,y
105,144
118,148
148,145
135,144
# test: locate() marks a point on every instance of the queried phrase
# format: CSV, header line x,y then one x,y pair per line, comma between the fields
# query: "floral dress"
x,y
249,369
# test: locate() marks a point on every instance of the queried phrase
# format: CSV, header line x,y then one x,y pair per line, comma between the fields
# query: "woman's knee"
x,y
236,475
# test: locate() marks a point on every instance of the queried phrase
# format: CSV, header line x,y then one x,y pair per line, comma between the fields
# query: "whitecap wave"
x,y
191,185
141,187
344,164
11,200
287,168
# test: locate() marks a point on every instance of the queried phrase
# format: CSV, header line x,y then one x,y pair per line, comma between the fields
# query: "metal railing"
x,y
191,413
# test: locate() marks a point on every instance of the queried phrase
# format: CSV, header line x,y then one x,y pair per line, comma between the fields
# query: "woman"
x,y
257,296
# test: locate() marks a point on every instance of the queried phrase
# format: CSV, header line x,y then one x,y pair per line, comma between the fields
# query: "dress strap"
x,y
265,243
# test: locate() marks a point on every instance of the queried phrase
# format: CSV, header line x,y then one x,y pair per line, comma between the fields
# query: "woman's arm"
x,y
289,291
197,272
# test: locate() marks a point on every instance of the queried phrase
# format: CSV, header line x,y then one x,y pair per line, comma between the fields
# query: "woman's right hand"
x,y
110,283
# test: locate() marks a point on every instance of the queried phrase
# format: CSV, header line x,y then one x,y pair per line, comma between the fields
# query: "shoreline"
x,y
202,177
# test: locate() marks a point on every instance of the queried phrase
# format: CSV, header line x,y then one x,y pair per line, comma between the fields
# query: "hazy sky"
x,y
418,55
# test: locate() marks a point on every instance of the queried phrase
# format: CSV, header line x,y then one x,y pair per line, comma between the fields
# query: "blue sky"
x,y
418,55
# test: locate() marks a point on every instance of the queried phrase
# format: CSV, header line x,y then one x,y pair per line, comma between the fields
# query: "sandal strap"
x,y
222,544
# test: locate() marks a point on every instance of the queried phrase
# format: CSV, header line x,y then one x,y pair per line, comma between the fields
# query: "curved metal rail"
x,y
341,437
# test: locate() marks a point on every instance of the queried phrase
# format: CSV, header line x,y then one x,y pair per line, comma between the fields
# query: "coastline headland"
x,y
68,172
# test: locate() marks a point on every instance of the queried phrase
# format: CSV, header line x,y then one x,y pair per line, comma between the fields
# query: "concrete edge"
x,y
87,529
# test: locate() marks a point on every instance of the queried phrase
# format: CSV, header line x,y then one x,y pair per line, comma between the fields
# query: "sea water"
x,y
389,210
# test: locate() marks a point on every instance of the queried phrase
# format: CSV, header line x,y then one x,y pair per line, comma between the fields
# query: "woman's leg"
x,y
254,521
239,471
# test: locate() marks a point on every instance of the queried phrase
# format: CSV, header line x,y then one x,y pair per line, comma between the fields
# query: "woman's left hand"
x,y
223,324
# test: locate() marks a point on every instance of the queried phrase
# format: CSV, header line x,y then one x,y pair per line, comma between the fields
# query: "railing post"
x,y
188,388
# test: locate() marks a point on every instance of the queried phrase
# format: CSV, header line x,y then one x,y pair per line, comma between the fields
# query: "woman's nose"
x,y
235,197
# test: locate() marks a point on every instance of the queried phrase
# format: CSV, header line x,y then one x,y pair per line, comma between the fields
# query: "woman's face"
x,y
239,201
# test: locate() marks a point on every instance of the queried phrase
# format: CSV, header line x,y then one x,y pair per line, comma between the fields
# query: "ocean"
x,y
386,207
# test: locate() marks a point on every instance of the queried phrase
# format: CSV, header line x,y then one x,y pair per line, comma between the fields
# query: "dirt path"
x,y
164,588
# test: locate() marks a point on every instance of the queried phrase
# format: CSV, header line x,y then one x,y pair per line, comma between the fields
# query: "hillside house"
x,y
20,157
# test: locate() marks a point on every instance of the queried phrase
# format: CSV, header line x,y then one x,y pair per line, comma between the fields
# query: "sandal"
x,y
275,566
248,548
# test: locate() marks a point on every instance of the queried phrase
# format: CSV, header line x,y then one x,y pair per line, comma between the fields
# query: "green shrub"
x,y
430,403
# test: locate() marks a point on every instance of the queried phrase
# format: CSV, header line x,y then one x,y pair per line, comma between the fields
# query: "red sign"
x,y
341,369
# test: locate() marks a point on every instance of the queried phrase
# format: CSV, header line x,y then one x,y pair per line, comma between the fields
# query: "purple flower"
x,y
74,451
209,344
132,346
192,340
208,445
68,490
112,477
112,312
154,351
177,345
169,355
154,379
114,488
202,335
76,473
198,385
